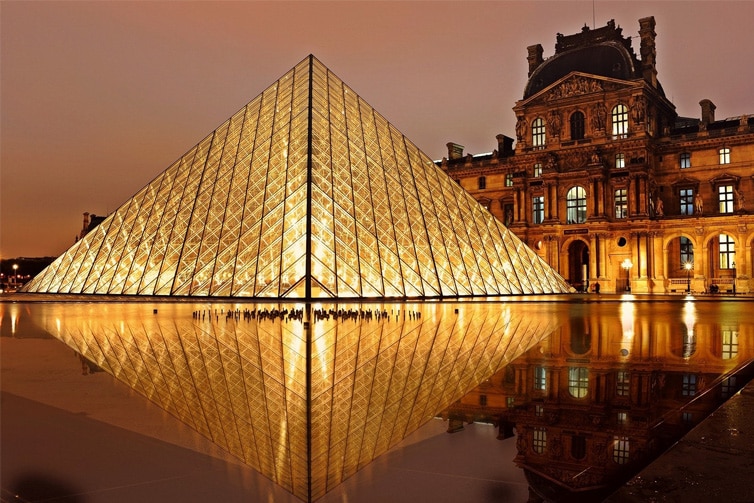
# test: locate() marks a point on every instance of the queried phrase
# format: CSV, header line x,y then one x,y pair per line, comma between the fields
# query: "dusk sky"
x,y
97,98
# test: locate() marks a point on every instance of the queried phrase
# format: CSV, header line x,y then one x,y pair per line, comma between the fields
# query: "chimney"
x,y
648,50
455,151
504,145
708,111
535,57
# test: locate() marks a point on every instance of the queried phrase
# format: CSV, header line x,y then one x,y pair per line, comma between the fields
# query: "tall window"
x,y
620,121
482,182
727,252
725,198
537,171
509,180
576,205
724,155
540,378
622,383
688,385
620,450
578,446
577,126
730,344
540,440
621,203
685,160
729,386
687,201
578,381
538,209
538,135
687,251
620,160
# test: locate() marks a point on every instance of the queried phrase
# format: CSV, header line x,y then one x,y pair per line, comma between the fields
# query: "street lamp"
x,y
688,266
627,265
15,274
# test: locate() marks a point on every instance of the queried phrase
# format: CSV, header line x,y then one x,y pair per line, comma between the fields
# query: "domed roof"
x,y
604,52
608,59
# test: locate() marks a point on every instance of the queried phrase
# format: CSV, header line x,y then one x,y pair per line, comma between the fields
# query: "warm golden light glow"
x,y
375,372
311,189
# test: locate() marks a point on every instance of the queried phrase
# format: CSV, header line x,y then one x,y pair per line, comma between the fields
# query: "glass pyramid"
x,y
305,403
305,193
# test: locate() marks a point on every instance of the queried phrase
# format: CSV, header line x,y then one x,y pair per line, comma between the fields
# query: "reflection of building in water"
x,y
597,401
305,400
605,172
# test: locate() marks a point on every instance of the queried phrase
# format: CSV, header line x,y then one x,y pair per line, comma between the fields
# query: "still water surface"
x,y
584,393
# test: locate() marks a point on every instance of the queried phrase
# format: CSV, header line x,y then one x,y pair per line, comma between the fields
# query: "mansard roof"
x,y
604,52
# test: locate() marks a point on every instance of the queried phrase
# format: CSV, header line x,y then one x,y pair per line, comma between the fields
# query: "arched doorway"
x,y
578,265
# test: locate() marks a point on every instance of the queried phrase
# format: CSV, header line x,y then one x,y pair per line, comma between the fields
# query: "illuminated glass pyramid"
x,y
305,403
307,192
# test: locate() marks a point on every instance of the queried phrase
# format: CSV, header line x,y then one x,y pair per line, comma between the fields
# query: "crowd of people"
x,y
298,314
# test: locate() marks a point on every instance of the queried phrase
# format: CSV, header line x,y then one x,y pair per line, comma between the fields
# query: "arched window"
x,y
620,121
538,134
577,126
576,205
578,381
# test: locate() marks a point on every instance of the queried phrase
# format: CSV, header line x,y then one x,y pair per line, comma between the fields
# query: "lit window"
x,y
620,450
482,183
538,135
578,381
622,383
509,180
538,209
540,378
537,170
727,252
685,160
687,201
724,155
730,344
510,402
620,160
621,203
620,121
622,417
577,126
539,410
576,205
725,198
540,440
687,251
688,386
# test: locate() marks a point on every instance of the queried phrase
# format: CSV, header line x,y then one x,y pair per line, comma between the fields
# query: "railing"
x,y
675,284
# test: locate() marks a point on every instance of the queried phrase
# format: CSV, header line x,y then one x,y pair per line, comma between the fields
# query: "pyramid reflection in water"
x,y
306,192
305,414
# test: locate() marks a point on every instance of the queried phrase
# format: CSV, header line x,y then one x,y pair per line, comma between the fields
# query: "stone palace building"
x,y
608,184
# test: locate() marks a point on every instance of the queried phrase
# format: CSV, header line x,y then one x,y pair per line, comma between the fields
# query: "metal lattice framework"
x,y
307,192
307,404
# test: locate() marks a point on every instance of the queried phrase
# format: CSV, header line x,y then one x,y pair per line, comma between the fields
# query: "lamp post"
x,y
627,265
15,274
688,266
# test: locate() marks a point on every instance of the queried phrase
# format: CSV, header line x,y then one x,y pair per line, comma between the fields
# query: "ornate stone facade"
x,y
611,186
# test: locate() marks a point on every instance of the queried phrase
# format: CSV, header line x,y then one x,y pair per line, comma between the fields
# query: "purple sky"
x,y
97,98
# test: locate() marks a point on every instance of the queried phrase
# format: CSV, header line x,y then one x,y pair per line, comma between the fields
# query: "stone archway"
x,y
578,265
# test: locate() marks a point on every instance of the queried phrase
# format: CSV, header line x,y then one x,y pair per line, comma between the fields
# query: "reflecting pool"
x,y
588,392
